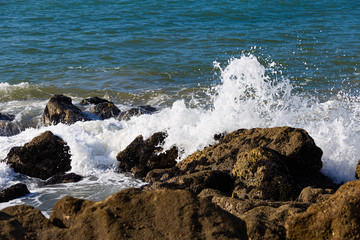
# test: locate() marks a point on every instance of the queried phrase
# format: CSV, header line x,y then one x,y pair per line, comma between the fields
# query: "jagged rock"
x,y
22,222
43,157
198,181
314,195
63,178
357,172
136,214
7,117
106,110
294,145
60,109
336,218
8,128
13,192
126,115
141,156
93,100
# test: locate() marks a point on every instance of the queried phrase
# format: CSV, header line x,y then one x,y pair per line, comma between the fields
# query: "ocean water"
x,y
208,66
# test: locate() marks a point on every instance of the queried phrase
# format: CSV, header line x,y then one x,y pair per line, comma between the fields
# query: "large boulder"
x,y
336,218
60,109
43,157
13,192
293,145
136,214
141,156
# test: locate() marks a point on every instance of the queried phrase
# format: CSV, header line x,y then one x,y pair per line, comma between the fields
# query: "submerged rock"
x,y
64,178
7,117
336,218
8,128
141,156
43,157
126,115
93,100
13,192
60,109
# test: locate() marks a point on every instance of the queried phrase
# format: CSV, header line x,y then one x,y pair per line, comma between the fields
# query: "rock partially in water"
x,y
106,110
43,157
336,218
13,192
60,109
93,100
8,128
126,115
7,117
141,156
63,178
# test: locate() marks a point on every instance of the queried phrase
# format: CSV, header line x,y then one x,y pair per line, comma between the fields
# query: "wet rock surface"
x,y
13,192
141,156
43,157
60,109
63,178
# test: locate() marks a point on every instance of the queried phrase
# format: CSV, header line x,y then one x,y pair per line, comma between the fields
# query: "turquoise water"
x,y
136,46
208,66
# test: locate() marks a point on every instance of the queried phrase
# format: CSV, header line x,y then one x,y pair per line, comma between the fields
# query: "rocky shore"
x,y
261,183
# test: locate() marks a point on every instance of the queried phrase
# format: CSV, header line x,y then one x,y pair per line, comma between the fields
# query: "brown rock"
x,y
314,195
135,214
60,109
141,156
336,218
13,192
43,157
357,172
106,110
294,145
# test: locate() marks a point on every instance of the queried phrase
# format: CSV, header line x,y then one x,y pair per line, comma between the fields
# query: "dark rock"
x,y
43,157
106,110
64,178
93,100
141,156
196,182
357,172
126,115
8,128
60,109
7,117
135,214
336,218
13,192
314,195
22,222
292,144
161,175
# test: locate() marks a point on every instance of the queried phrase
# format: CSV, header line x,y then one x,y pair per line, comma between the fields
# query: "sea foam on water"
x,y
249,95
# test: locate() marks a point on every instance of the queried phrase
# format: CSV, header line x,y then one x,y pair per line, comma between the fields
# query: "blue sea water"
x,y
208,66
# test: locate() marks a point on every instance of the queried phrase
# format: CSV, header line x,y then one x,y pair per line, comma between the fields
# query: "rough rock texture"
x,y
22,222
198,181
314,195
64,178
135,214
106,110
60,109
43,157
13,192
357,172
336,218
142,156
294,145
126,115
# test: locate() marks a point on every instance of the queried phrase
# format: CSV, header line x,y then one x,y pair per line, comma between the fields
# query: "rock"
x,y
22,222
8,128
136,214
141,156
7,117
294,145
314,195
196,182
106,110
60,109
64,178
137,112
336,218
93,100
13,192
357,172
43,157
262,172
